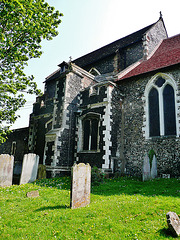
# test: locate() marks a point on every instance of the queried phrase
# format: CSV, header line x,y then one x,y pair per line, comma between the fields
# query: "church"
x,y
109,108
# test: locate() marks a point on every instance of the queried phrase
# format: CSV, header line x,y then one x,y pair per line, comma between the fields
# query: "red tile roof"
x,y
167,54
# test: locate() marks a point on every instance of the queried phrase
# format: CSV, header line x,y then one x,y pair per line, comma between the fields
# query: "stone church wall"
x,y
16,144
102,100
65,146
134,140
155,35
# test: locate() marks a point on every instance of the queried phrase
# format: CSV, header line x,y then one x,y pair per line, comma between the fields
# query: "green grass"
x,y
122,208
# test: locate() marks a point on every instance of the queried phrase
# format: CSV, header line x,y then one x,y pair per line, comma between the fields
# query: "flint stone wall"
x,y
135,142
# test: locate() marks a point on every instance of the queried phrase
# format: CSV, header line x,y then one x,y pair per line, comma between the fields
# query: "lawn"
x,y
120,208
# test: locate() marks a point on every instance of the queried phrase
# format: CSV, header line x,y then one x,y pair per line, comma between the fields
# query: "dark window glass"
x,y
154,126
94,134
169,111
90,134
160,81
86,131
13,148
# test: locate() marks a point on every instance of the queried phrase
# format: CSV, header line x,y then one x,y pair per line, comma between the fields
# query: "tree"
x,y
23,25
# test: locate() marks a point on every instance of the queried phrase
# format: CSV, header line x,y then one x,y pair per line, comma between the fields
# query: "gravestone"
x,y
29,168
6,170
81,185
166,175
146,168
32,194
154,168
41,171
173,222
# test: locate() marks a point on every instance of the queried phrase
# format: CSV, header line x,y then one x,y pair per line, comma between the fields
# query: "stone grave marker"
x,y
41,171
6,170
154,168
29,168
146,168
173,222
32,194
166,175
81,185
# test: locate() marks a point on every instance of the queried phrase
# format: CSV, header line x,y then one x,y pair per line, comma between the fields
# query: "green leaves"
x,y
23,25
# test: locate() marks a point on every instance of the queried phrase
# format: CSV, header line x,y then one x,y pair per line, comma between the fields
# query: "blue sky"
x,y
90,24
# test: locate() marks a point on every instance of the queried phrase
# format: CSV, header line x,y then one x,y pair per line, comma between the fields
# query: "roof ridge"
x,y
116,41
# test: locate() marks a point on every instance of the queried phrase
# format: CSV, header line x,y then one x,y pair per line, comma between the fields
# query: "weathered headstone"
x,y
32,194
154,168
173,222
81,185
166,175
6,170
29,168
146,168
41,171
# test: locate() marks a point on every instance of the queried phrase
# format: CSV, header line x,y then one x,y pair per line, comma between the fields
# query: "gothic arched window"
x,y
161,107
154,125
169,111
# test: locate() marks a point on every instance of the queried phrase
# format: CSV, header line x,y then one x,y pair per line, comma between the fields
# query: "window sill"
x,y
89,151
162,137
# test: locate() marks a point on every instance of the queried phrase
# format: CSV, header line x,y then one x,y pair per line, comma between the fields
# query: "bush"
x,y
97,176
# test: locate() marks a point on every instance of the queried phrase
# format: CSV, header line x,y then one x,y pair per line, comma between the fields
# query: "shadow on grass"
x,y
125,185
132,186
165,232
52,208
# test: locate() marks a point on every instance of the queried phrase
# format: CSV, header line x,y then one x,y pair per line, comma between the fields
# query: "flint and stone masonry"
x,y
96,109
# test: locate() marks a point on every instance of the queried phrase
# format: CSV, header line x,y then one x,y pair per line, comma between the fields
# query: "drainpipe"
x,y
122,158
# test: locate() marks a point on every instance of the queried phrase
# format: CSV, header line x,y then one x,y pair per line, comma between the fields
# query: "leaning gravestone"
x,y
146,168
173,222
29,168
154,168
81,185
41,171
6,170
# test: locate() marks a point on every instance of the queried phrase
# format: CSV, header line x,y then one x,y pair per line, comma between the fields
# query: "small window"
x,y
42,104
90,134
94,71
93,91
13,148
48,125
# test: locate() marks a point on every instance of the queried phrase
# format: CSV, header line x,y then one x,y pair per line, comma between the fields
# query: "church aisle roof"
x,y
167,54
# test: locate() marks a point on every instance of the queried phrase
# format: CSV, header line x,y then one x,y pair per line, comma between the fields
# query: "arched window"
x,y
169,110
154,125
161,107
